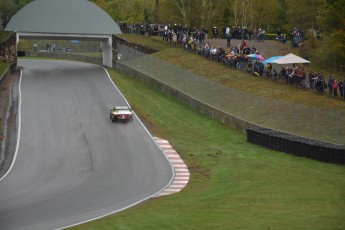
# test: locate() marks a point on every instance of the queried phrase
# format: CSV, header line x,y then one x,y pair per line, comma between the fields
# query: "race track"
x,y
72,163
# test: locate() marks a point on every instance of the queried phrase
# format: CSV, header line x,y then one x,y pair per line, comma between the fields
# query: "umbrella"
x,y
271,59
256,56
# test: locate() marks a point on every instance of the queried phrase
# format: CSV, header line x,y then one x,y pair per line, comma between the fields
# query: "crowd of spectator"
x,y
236,55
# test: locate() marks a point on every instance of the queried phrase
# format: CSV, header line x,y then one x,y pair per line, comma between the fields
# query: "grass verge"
x,y
3,67
234,184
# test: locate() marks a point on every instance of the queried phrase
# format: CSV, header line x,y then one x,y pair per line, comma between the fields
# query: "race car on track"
x,y
122,112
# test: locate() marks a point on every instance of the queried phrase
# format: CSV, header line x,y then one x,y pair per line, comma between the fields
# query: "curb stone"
x,y
182,174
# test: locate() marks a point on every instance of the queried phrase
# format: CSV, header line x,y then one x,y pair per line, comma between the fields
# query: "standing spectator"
x,y
335,88
341,86
312,80
206,32
268,70
243,45
228,36
215,32
165,33
202,37
261,68
300,75
282,74
224,32
330,85
250,34
228,40
174,39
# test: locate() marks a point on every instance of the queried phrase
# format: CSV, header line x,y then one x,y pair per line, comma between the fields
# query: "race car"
x,y
122,112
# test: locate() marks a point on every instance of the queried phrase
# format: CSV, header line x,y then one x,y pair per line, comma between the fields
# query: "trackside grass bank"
x,y
236,79
234,184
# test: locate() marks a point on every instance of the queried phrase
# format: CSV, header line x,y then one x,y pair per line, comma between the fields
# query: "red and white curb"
x,y
181,171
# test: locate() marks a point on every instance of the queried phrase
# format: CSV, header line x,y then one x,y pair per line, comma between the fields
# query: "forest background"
x,y
325,17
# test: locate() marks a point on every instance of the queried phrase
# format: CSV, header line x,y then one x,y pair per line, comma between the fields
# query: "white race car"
x,y
122,112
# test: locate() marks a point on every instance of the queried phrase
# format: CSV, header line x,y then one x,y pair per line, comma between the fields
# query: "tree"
x,y
334,28
9,7
196,13
305,16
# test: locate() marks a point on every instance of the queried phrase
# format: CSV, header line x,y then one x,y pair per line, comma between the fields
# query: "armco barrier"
x,y
298,146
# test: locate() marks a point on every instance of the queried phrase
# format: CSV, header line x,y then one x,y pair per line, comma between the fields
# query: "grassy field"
x,y
234,184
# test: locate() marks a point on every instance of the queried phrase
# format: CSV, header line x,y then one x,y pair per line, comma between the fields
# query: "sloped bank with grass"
x,y
234,184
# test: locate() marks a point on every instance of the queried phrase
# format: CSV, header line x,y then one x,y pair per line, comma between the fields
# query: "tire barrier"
x,y
296,145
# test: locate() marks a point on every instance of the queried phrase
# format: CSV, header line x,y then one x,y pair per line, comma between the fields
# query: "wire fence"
x,y
303,120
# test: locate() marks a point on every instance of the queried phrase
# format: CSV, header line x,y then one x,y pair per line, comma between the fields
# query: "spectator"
x,y
228,36
320,83
174,39
215,32
243,45
312,80
282,73
268,70
335,88
300,75
330,85
261,68
341,87
206,32
202,37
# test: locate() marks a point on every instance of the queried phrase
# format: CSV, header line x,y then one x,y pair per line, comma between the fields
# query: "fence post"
x,y
314,123
337,126
276,114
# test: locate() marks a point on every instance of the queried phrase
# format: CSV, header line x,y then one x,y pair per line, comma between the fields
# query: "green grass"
x,y
234,184
3,67
152,42
3,35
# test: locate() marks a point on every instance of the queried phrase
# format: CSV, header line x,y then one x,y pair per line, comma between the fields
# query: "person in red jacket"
x,y
243,45
335,88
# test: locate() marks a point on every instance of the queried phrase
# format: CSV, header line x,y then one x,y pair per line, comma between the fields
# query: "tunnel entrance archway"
x,y
66,20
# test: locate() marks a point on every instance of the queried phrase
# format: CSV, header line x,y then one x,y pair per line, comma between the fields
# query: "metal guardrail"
x,y
299,119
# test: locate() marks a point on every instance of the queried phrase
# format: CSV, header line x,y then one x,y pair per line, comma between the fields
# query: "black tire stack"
x,y
298,146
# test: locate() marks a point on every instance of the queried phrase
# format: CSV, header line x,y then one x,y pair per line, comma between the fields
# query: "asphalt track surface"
x,y
72,163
